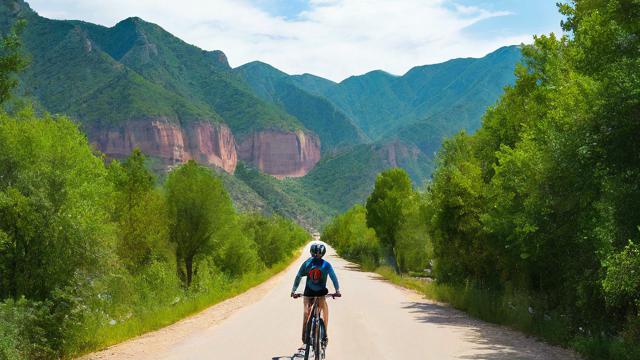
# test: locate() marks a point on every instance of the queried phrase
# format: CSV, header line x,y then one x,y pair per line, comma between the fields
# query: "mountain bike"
x,y
315,330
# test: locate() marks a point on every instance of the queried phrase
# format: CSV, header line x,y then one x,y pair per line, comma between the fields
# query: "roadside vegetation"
x,y
93,252
533,221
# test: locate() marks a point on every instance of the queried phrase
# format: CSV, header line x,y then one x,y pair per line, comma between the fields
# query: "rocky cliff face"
x,y
281,154
213,145
210,144
394,153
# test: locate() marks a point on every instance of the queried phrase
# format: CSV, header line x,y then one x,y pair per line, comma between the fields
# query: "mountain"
x,y
380,103
342,180
135,84
398,120
336,130
298,145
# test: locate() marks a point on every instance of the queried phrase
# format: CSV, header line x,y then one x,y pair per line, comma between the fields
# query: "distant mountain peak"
x,y
380,73
263,69
220,58
131,24
129,35
371,75
133,19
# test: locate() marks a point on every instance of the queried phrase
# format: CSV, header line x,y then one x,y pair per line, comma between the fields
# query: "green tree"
x,y
413,244
199,212
349,235
456,201
138,209
385,205
12,60
274,236
606,47
54,206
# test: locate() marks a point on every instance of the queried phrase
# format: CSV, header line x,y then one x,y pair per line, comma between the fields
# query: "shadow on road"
x,y
378,277
299,354
493,342
352,267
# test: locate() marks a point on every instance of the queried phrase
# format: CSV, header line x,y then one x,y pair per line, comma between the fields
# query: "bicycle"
x,y
315,330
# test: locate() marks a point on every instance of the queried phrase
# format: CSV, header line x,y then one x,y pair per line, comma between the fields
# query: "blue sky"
x,y
331,38
528,15
534,17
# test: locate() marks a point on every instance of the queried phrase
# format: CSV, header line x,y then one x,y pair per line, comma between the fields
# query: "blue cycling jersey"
x,y
316,271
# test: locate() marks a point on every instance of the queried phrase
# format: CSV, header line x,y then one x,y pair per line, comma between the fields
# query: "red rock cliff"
x,y
211,144
281,154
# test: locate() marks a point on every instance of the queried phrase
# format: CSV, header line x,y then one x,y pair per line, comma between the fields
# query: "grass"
x,y
517,312
153,320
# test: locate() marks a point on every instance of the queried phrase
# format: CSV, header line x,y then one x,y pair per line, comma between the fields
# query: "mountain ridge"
x,y
135,84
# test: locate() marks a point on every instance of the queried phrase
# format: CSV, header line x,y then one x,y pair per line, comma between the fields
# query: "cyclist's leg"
x,y
307,308
324,308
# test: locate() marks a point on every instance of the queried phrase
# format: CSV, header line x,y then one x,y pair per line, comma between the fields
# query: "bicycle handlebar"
x,y
334,295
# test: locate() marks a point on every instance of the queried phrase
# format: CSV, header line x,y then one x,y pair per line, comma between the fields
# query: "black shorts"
x,y
309,292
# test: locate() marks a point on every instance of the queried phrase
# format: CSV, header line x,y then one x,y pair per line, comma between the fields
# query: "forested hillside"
x,y
380,103
534,220
377,121
137,66
336,130
136,85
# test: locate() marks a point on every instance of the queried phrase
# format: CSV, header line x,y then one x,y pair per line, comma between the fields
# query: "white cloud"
x,y
333,38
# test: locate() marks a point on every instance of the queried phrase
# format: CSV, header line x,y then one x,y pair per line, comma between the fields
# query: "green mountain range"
x,y
86,70
398,120
141,86
380,103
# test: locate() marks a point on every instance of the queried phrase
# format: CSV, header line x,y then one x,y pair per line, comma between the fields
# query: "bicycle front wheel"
x,y
307,336
323,335
316,341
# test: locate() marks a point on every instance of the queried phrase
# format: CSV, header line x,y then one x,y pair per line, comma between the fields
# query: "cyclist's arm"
x,y
299,275
334,279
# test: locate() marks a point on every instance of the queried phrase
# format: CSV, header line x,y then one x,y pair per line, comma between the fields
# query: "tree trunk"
x,y
390,258
188,262
181,274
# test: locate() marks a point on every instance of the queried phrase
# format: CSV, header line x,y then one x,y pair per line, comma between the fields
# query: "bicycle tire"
x,y
307,336
323,334
316,340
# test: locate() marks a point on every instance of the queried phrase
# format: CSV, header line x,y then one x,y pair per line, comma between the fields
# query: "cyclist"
x,y
316,270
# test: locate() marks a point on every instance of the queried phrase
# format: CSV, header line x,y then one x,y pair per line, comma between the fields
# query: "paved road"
x,y
373,320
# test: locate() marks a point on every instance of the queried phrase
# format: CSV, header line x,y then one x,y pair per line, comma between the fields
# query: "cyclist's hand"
x,y
338,294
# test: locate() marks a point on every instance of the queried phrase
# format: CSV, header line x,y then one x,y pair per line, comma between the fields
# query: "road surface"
x,y
373,320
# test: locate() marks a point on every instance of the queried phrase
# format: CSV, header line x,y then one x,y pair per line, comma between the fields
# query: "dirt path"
x,y
373,320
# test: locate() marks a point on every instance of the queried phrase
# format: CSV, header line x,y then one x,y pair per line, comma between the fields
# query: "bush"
x,y
274,237
54,206
622,288
349,235
25,330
